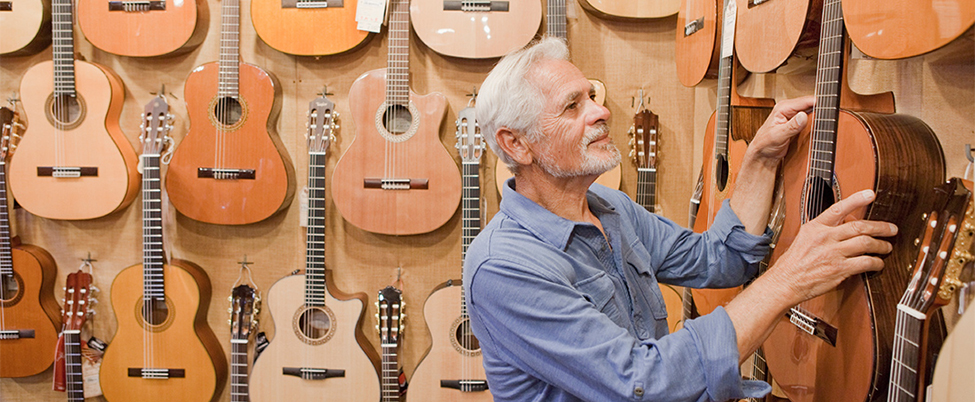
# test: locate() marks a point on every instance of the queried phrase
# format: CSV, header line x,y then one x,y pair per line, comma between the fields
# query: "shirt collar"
x,y
544,224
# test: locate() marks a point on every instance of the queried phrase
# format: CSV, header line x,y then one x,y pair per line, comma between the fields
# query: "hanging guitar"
x,y
245,305
898,29
697,46
390,306
772,33
475,29
77,307
25,26
295,26
144,28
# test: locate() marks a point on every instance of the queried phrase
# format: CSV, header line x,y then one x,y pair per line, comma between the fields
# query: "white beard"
x,y
591,164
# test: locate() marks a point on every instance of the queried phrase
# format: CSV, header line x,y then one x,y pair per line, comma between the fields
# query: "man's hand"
x,y
787,119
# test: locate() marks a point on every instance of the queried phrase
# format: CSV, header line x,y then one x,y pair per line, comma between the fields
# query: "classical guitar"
x,y
772,31
25,26
75,148
898,29
632,9
390,306
163,350
77,304
143,28
696,49
245,305
476,29
295,26
452,369
943,249
396,178
734,122
838,346
231,168
316,353
29,319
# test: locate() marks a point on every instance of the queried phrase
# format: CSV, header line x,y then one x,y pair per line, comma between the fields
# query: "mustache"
x,y
593,133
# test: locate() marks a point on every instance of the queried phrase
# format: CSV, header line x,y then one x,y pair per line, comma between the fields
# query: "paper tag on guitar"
x,y
370,15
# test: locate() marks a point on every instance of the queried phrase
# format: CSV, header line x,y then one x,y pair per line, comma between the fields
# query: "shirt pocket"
x,y
599,290
638,259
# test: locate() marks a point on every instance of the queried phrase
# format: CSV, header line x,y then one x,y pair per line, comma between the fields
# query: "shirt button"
x,y
638,391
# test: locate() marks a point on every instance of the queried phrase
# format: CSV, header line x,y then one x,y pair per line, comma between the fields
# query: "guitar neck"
x,y
315,240
62,28
6,259
471,212
398,57
646,187
829,73
75,382
725,73
239,391
555,20
152,230
390,380
906,355
229,50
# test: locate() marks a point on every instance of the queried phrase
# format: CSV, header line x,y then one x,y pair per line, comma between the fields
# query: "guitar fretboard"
x,y
6,260
646,188
471,215
315,241
398,57
906,354
722,118
74,380
152,236
238,369
390,380
555,23
229,49
62,28
829,70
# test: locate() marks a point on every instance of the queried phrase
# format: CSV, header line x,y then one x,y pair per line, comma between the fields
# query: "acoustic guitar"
x,y
943,249
396,178
77,307
632,9
231,168
696,49
838,346
390,306
475,29
25,26
75,148
452,369
295,26
772,31
144,28
898,29
163,350
29,314
245,305
318,352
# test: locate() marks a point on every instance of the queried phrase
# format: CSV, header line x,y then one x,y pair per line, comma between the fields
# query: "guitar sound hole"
x,y
155,312
819,198
465,338
721,172
314,323
228,111
65,109
9,288
397,119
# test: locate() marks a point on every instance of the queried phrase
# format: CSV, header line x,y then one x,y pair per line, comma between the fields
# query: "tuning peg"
x,y
95,289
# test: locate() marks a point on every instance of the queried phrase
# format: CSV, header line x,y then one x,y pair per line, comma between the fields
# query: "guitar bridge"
x,y
136,6
311,4
475,5
65,172
156,373
465,385
812,325
16,334
6,6
691,27
226,174
397,184
306,373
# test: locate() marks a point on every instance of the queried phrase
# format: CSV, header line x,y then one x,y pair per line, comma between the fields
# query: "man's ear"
x,y
514,144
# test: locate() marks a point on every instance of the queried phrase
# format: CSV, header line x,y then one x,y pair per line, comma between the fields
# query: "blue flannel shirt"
x,y
563,316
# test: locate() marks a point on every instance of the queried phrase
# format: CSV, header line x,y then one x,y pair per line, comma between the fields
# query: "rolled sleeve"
x,y
716,344
731,231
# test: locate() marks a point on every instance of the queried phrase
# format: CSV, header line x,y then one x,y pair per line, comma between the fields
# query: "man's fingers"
x,y
863,227
835,214
861,245
864,263
790,107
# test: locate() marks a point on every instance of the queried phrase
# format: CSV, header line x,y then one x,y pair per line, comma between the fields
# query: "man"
x,y
562,284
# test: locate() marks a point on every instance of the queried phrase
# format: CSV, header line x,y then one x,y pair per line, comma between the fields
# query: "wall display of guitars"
x,y
452,369
75,148
396,177
475,29
632,9
164,350
839,345
144,28
296,26
231,168
316,349
29,318
25,26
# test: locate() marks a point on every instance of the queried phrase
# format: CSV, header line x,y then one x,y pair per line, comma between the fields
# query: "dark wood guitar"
x,y
318,351
396,177
75,148
231,168
245,305
477,29
942,251
453,370
25,26
898,29
163,350
144,28
698,40
29,318
390,305
295,26
77,304
772,31
838,346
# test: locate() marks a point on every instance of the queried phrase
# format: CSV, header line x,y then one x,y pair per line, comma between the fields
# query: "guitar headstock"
x,y
946,246
321,124
77,300
156,123
245,305
643,139
390,314
11,134
470,142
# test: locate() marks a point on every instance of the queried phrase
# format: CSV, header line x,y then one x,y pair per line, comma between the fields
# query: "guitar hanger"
x,y
245,266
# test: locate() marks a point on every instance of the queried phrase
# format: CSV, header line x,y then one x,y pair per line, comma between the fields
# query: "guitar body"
x,y
899,157
25,28
250,143
898,29
447,358
183,341
340,351
697,53
769,33
94,139
179,28
422,156
32,307
630,9
299,31
475,34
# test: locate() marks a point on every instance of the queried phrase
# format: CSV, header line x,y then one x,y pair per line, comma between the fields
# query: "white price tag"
x,y
728,30
370,15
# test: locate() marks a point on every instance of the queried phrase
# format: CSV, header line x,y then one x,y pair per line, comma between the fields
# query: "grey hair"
x,y
509,99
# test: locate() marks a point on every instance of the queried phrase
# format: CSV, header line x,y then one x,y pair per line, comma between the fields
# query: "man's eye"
x,y
572,105
592,96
